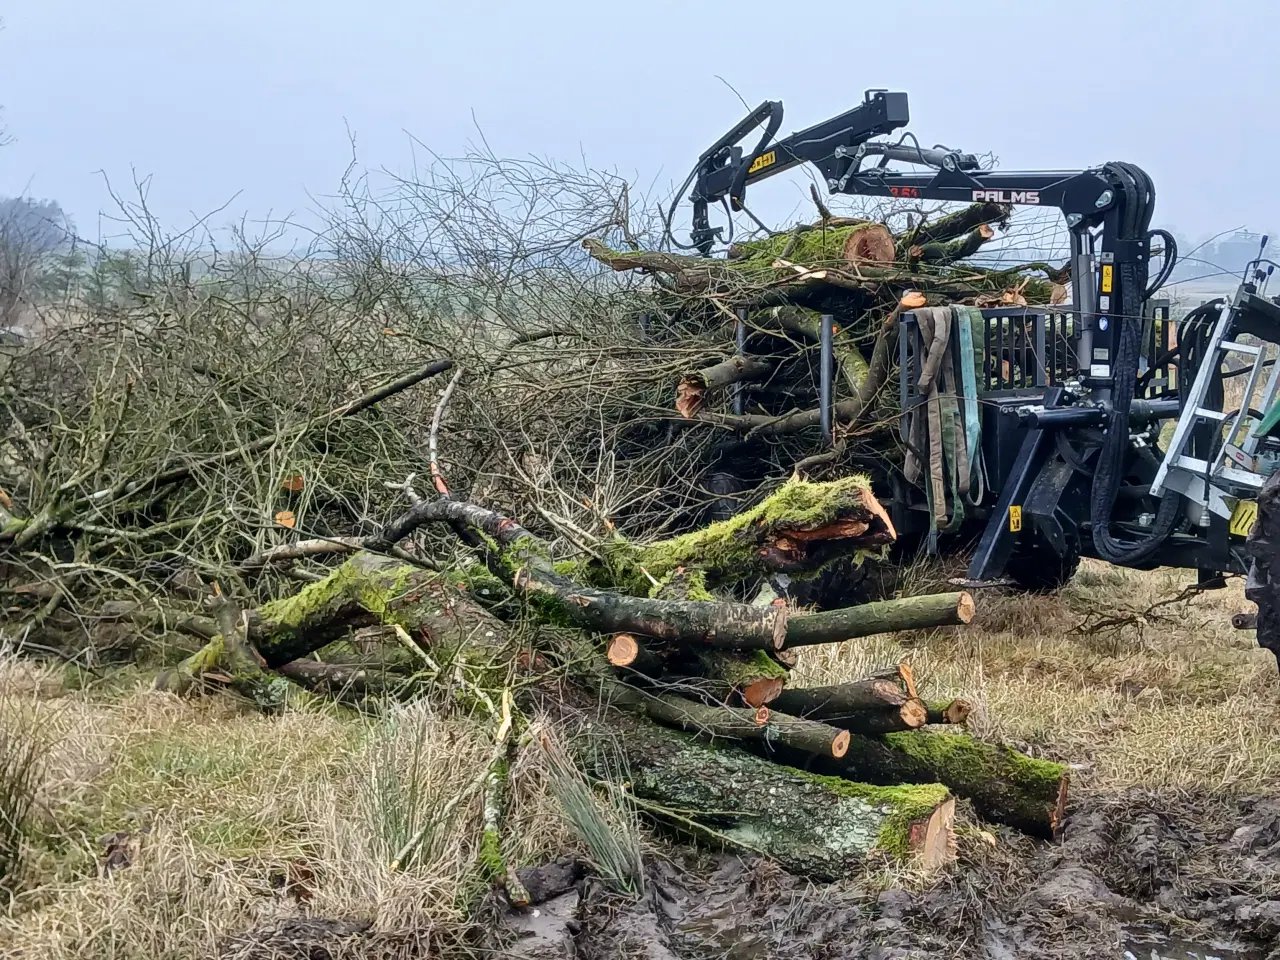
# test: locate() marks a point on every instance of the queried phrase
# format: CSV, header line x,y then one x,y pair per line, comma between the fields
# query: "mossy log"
x,y
815,244
798,528
823,827
953,225
1004,785
523,561
433,608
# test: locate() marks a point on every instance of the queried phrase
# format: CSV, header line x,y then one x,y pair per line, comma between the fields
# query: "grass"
x,y
604,821
233,819
1170,697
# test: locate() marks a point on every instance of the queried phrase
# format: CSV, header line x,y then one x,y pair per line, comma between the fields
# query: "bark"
x,y
756,677
942,254
431,607
885,616
859,695
764,279
627,652
523,562
823,827
870,716
346,683
547,881
1005,786
798,528
825,242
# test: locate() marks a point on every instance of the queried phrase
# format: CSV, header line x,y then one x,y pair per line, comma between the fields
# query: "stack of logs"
x,y
867,742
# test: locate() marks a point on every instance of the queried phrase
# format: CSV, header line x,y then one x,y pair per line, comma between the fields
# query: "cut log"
x,y
859,695
943,253
755,677
871,243
956,224
431,607
1005,786
885,616
874,718
777,730
693,388
956,711
822,827
627,652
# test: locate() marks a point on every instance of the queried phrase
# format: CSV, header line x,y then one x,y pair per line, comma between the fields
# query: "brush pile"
x,y
634,521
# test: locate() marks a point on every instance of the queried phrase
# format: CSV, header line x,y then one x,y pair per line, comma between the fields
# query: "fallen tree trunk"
x,y
1005,786
823,827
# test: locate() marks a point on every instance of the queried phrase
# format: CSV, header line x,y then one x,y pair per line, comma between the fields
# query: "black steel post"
x,y
827,362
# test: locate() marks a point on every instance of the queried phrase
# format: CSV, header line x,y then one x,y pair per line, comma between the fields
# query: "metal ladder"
x,y
1203,481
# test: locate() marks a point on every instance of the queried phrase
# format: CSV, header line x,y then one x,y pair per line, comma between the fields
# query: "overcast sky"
x,y
255,96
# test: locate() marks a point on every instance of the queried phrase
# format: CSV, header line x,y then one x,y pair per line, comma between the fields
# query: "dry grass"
x,y
233,818
1170,697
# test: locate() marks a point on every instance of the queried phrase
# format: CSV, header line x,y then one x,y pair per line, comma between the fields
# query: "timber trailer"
x,y
1068,405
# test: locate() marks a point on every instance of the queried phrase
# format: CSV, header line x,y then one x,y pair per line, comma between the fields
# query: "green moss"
x,y
819,825
958,757
734,544
682,584
742,668
810,247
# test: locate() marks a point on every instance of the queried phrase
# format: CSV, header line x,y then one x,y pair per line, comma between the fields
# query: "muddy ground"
x,y
1187,877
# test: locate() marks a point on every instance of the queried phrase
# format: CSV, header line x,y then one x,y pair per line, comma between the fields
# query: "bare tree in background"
x,y
33,234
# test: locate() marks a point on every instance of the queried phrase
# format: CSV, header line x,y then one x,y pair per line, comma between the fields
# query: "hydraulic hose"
x,y
1137,196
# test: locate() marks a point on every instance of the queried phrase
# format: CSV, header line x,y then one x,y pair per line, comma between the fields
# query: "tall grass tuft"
x,y
22,756
605,823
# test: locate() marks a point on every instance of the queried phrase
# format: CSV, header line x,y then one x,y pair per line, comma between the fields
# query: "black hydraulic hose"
x,y
1176,353
1137,194
1170,261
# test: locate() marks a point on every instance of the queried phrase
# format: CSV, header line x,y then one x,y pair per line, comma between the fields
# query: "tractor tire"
x,y
1263,583
1036,568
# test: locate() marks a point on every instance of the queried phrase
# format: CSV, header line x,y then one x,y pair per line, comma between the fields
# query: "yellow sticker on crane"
x,y
1242,518
1107,270
1015,519
762,161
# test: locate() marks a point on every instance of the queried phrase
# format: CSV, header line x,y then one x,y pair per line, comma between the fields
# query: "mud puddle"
x,y
1168,949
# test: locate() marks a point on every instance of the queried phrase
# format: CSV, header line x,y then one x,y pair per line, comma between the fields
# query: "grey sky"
x,y
254,95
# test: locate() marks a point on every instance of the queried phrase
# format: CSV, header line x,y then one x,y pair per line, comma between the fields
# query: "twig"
x,y
437,477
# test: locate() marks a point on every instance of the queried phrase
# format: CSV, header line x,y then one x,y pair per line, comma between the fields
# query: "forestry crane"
x,y
1075,456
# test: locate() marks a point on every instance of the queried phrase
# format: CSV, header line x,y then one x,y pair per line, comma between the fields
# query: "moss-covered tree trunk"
x,y
820,826
1004,785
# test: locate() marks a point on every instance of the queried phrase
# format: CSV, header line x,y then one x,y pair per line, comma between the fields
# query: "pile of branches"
x,y
443,449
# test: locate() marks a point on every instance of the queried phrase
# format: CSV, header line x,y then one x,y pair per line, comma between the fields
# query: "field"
x,y
170,827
